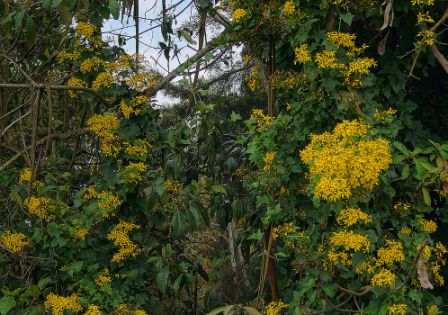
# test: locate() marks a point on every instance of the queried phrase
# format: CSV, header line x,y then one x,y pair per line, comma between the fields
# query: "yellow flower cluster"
x,y
383,278
349,240
106,201
74,82
128,310
302,55
25,175
385,114
173,186
93,310
268,160
422,2
80,233
440,251
391,253
15,242
138,151
327,60
340,39
119,235
103,80
42,207
238,14
341,258
350,216
432,309
289,8
283,231
103,278
104,127
399,309
427,38
275,307
133,172
57,304
88,64
85,29
261,118
252,79
424,17
429,226
438,278
402,207
345,160
360,66
406,230
134,107
65,55
141,80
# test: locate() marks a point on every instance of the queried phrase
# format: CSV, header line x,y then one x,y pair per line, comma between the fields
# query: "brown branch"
x,y
42,86
440,58
440,21
40,142
179,70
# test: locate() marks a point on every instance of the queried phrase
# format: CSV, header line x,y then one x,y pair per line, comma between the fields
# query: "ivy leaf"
x,y
6,304
235,117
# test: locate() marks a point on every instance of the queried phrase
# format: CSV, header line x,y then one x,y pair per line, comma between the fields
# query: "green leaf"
x,y
195,214
426,196
114,8
6,304
329,289
223,309
405,172
251,311
235,117
219,189
177,223
202,210
347,18
176,284
162,279
402,148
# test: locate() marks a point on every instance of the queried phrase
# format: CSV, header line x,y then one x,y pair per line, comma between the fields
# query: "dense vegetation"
x,y
308,174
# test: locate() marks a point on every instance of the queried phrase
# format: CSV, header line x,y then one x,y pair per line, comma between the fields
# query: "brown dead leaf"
x,y
423,274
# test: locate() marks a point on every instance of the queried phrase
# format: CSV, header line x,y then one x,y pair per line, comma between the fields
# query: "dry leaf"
x,y
388,14
423,274
382,44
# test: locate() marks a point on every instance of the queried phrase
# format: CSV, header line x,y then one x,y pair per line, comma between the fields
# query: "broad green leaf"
x,y
177,223
347,18
426,196
6,304
235,117
162,279
114,8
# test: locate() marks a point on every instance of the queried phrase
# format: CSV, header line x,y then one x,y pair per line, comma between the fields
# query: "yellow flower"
x,y
139,150
391,253
103,278
440,251
238,14
133,172
173,186
342,39
103,125
399,309
384,115
289,8
42,207
141,80
15,242
383,278
341,258
432,309
350,216
119,235
268,160
345,160
93,310
64,55
85,29
429,226
406,230
103,80
361,66
261,118
424,17
74,82
350,241
426,38
327,60
80,233
107,202
58,304
275,307
302,54
88,64
438,278
25,175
